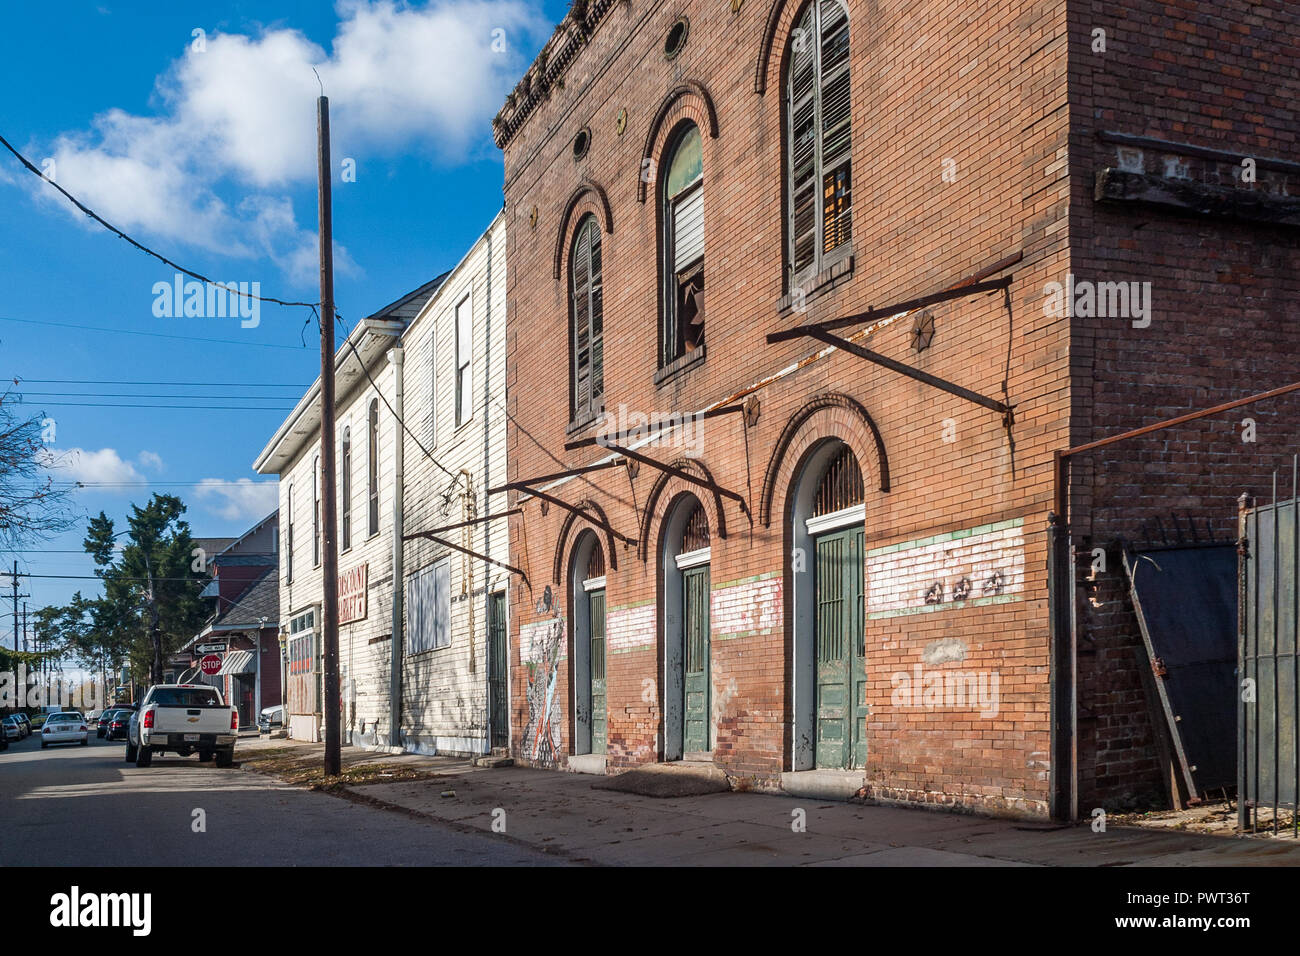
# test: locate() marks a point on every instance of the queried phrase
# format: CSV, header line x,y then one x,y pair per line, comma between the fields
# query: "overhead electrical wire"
x,y
156,335
27,164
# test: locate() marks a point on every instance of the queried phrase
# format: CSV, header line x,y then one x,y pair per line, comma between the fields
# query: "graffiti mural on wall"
x,y
541,645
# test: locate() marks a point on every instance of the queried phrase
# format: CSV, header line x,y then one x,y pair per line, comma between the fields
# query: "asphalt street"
x,y
85,806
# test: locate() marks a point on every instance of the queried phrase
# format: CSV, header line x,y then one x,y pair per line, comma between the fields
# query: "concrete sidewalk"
x,y
562,813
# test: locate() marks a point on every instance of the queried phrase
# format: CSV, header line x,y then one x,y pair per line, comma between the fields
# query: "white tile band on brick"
x,y
752,607
630,627
989,565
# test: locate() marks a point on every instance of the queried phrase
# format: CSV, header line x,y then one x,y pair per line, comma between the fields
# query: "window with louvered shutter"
x,y
587,351
819,140
682,262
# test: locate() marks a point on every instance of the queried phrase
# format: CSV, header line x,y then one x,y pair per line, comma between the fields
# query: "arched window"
x,y
682,267
315,512
840,486
695,530
347,487
372,462
586,344
818,141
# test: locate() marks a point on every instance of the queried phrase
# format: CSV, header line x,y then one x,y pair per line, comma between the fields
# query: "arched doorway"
x,y
829,614
587,651
687,672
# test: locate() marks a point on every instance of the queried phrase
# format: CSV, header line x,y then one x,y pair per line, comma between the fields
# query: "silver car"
x,y
66,727
13,728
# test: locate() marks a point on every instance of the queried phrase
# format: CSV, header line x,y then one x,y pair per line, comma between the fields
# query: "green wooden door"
x,y
840,645
596,608
695,587
498,688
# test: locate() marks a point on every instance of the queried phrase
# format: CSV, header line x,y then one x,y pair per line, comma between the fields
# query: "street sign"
x,y
216,647
210,665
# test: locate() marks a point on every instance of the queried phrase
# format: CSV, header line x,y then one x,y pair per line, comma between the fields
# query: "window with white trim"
x,y
464,361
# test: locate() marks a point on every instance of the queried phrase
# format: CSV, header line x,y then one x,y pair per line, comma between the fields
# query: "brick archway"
x,y
832,415
589,197
781,15
667,489
688,100
573,525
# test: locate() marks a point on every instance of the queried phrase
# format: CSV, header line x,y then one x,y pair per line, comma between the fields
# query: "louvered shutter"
x,y
801,110
688,230
835,125
581,269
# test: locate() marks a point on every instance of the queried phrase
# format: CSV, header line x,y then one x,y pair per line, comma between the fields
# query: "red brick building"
x,y
838,560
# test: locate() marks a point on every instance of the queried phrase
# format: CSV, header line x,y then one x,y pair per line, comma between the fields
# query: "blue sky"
x,y
201,145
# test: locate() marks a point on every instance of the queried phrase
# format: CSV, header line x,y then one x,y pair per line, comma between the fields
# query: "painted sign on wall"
x,y
352,593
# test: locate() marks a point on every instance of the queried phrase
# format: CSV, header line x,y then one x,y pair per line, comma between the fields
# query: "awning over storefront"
x,y
237,662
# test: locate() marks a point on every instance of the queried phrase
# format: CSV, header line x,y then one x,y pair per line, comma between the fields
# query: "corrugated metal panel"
x,y
688,230
1186,601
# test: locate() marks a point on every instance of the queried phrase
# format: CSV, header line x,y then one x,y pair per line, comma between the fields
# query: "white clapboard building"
x,y
420,437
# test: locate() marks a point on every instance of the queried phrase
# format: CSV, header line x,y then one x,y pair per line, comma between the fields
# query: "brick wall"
x,y
982,85
1223,76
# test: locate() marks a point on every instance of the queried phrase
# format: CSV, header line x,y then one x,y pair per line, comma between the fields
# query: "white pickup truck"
x,y
183,719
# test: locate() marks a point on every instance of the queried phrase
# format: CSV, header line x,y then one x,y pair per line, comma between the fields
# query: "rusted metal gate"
x,y
1268,762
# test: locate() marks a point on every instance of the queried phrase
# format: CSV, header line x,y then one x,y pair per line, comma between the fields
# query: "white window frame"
x,y
464,356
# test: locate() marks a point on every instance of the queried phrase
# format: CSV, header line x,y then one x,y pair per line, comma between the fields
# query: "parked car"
x,y
185,719
26,722
119,725
13,728
105,718
38,722
271,718
66,727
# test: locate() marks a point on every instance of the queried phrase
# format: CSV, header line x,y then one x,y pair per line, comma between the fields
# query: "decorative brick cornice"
x,y
572,34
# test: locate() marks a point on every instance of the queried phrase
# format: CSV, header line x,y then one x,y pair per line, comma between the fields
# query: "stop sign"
x,y
210,664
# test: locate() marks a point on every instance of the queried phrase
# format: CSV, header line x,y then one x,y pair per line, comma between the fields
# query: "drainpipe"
x,y
396,355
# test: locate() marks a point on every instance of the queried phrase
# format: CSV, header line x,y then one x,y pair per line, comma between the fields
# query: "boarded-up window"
x,y
464,360
818,140
428,608
587,346
682,268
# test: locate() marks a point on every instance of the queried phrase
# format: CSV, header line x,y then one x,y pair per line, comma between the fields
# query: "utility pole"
x,y
329,523
24,627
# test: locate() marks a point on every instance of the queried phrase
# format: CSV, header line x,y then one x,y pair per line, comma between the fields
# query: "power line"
x,y
246,398
143,248
156,335
93,381
189,408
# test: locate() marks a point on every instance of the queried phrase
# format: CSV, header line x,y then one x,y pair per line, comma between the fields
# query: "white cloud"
x,y
149,459
241,114
243,499
91,467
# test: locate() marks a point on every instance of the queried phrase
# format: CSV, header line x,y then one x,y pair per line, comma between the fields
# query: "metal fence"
x,y
1268,761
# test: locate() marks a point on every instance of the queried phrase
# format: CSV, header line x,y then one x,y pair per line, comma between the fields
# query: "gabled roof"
x,y
369,342
260,599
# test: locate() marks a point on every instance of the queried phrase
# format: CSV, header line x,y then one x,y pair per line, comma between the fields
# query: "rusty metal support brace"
x,y
525,484
820,333
622,438
465,524
583,513
885,311
430,536
684,475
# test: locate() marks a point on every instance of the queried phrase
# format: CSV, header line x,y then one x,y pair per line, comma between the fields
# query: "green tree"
x,y
151,598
